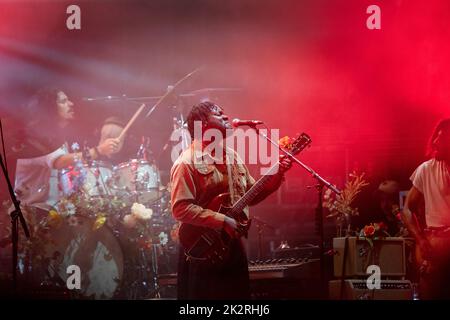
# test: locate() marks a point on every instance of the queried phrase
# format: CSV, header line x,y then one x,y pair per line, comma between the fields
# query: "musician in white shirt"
x,y
427,213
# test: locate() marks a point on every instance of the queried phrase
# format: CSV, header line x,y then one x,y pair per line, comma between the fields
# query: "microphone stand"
x,y
16,216
321,183
180,107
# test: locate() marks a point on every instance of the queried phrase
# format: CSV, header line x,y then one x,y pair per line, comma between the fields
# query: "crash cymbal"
x,y
207,90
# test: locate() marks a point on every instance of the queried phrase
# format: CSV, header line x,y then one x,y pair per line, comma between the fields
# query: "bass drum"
x,y
77,241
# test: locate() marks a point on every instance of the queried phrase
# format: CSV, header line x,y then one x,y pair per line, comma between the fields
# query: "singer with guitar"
x,y
198,190
427,215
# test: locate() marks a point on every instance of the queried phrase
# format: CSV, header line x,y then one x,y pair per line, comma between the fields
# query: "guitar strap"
x,y
231,180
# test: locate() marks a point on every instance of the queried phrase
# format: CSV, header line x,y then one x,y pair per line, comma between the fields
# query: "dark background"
x,y
368,98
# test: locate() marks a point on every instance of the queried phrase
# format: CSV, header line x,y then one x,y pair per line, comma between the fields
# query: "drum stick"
x,y
138,112
132,120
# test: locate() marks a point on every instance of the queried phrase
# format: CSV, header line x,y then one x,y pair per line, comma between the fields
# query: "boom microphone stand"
x,y
321,183
16,216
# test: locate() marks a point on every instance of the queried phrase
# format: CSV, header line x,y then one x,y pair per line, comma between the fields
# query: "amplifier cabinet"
x,y
388,254
357,290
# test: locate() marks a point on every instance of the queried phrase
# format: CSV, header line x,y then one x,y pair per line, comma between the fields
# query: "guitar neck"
x,y
251,194
297,146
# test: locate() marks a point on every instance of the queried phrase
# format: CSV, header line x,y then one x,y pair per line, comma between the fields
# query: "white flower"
x,y
67,208
163,238
129,221
71,209
139,211
72,221
75,146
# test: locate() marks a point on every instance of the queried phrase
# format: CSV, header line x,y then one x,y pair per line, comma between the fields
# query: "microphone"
x,y
251,123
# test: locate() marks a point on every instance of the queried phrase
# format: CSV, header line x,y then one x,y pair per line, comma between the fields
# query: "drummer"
x,y
45,149
112,127
132,149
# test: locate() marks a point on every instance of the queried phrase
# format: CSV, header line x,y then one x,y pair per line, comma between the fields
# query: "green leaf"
x,y
370,242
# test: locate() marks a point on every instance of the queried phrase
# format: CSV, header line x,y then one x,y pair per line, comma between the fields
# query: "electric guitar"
x,y
437,245
212,246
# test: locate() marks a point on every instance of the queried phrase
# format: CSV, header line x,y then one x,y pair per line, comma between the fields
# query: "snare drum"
x,y
137,179
93,179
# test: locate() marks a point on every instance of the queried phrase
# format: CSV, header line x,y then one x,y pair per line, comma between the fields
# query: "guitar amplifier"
x,y
388,254
357,290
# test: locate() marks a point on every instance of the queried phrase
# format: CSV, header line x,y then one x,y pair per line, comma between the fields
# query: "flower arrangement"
x,y
340,206
285,142
39,233
102,209
374,231
163,238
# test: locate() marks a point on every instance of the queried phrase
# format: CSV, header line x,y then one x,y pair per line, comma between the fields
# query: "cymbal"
x,y
207,90
195,93
192,94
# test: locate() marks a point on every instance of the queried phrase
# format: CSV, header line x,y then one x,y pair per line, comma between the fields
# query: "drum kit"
x,y
113,222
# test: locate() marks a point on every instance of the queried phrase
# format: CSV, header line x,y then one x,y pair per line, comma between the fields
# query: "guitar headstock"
x,y
295,146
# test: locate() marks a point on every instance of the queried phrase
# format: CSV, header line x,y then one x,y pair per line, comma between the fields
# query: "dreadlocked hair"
x,y
443,125
199,112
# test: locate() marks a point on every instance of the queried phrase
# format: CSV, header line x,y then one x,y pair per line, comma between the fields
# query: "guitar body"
x,y
431,265
206,244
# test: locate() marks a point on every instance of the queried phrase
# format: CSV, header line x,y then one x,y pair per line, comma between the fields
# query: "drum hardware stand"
x,y
98,176
100,184
157,294
260,225
142,281
144,270
138,285
16,214
143,149
321,183
185,139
